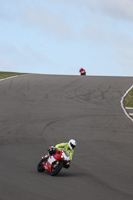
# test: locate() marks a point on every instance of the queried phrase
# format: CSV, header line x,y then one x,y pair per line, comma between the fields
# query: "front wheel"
x,y
40,166
56,170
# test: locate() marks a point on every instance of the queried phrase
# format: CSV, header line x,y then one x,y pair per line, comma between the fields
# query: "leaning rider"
x,y
69,146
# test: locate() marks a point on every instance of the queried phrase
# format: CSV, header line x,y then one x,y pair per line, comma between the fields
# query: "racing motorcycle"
x,y
83,72
54,163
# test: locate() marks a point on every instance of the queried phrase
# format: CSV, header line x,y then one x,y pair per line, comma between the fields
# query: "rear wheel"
x,y
56,170
83,74
40,166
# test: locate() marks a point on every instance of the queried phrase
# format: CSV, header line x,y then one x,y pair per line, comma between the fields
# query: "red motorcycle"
x,y
82,71
54,163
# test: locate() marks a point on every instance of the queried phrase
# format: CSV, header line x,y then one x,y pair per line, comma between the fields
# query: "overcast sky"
x,y
61,36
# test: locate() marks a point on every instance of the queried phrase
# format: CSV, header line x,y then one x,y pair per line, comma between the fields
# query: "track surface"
x,y
37,111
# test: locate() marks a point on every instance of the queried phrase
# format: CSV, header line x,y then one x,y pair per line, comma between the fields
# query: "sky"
x,y
61,36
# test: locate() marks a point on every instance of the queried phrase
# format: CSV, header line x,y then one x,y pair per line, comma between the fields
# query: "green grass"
x,y
128,100
9,74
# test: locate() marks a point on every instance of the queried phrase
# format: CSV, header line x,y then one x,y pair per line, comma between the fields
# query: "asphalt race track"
x,y
37,111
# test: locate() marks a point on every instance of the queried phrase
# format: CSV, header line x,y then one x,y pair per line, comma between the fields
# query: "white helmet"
x,y
72,143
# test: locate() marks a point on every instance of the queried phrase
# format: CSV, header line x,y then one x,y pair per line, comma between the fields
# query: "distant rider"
x,y
82,71
69,146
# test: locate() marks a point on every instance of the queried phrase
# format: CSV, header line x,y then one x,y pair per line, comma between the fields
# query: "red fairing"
x,y
59,155
47,166
83,71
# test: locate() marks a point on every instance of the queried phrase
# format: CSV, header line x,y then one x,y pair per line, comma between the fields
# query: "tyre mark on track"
x,y
61,120
49,124
97,96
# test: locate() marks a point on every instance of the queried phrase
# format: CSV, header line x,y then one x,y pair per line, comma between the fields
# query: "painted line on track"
x,y
13,77
9,77
122,105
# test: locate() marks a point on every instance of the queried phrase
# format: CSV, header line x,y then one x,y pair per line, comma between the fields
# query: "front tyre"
x,y
40,166
56,170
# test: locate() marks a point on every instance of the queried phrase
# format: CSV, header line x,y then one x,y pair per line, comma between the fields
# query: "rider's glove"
x,y
44,156
51,148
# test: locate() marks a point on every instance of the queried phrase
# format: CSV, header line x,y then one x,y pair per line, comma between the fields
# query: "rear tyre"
x,y
56,170
40,166
83,74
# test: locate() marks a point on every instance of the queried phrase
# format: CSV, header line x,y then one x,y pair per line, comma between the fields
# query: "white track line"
x,y
13,77
123,105
9,77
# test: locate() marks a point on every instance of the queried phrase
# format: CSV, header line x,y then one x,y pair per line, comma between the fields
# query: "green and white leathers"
x,y
66,147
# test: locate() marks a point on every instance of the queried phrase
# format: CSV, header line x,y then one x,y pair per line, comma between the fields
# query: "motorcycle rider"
x,y
69,146
82,71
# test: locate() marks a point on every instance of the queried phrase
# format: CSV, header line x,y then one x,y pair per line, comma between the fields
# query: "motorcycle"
x,y
82,72
54,163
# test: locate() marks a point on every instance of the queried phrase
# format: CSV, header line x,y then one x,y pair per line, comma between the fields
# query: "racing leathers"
x,y
66,147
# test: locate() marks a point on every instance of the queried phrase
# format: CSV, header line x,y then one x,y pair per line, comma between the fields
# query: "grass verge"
x,y
128,100
9,74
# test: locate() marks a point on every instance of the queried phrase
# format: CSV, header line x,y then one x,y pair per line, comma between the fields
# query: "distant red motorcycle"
x,y
55,162
82,71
